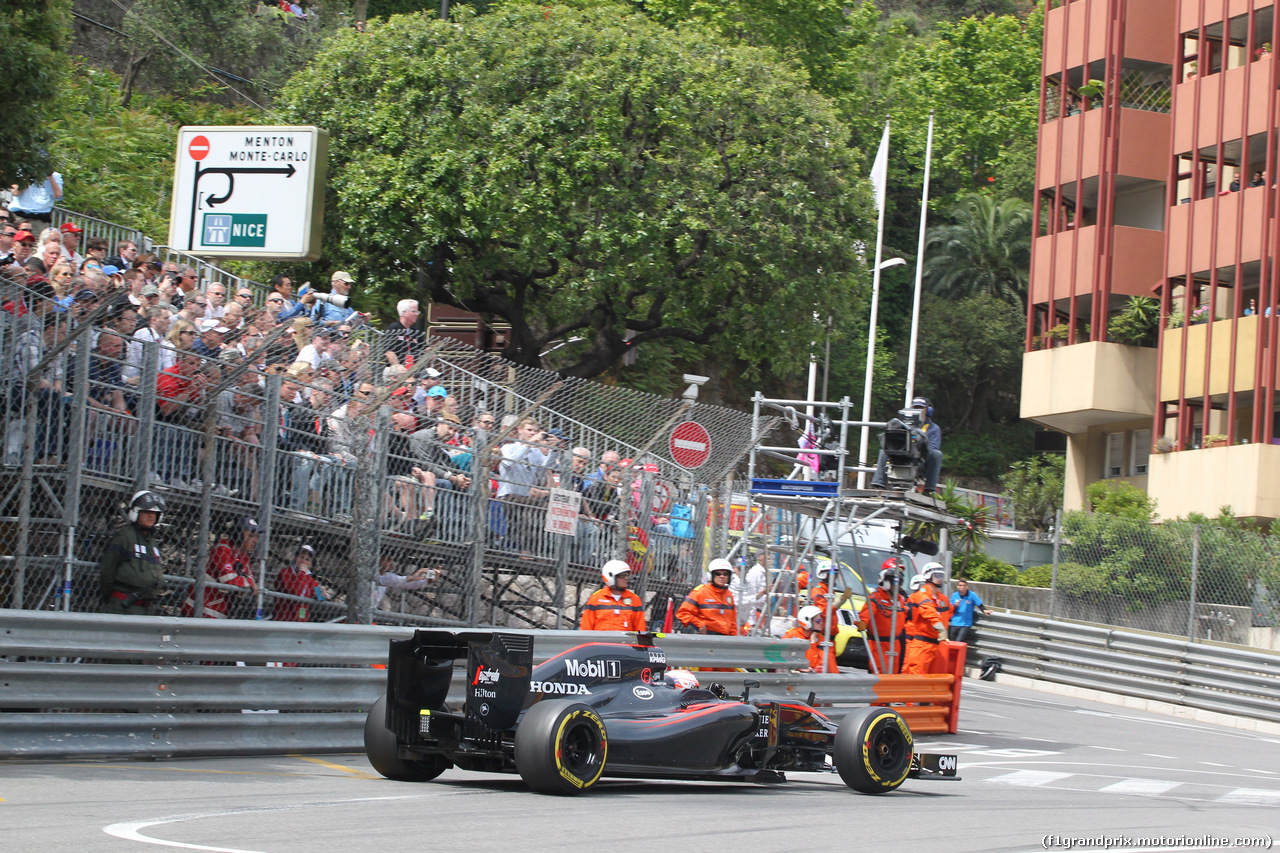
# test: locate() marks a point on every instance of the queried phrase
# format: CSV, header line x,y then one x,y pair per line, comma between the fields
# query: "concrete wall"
x,y
1015,548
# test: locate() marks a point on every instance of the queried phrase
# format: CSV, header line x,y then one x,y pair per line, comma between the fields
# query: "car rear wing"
x,y
419,671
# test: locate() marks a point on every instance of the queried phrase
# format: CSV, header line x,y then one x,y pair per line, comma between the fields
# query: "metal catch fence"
x,y
303,494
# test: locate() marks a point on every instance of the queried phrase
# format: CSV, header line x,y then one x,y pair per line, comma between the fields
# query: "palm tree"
x,y
985,249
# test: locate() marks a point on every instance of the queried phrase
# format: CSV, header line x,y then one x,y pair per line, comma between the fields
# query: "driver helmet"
x,y
935,573
612,569
806,614
681,679
146,501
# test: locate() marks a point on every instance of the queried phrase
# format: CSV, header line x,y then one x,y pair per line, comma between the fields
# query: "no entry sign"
x,y
198,148
690,445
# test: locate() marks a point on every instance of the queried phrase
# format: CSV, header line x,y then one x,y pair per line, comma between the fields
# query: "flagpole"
x,y
878,170
915,307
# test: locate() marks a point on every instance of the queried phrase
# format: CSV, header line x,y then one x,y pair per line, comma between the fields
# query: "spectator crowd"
x,y
214,348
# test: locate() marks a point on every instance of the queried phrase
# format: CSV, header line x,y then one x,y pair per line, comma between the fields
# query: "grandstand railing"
x,y
86,429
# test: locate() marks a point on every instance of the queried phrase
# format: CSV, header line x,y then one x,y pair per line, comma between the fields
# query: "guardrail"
x,y
1211,676
82,685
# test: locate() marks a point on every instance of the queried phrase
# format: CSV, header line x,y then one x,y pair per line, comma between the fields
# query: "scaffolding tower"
x,y
828,507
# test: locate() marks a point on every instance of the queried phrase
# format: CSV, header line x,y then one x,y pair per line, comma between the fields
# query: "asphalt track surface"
x,y
1039,772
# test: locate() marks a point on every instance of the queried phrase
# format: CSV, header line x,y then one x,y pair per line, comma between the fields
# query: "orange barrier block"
x,y
929,703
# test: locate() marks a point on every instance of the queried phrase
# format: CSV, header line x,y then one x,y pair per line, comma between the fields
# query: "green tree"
x,y
1120,499
32,35
971,531
1034,487
985,249
981,76
121,159
970,358
229,52
585,171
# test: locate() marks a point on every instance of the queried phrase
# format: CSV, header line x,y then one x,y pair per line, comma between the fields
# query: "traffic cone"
x,y
670,617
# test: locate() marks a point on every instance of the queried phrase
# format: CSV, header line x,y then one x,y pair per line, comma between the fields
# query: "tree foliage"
x,y
970,358
226,51
1120,499
120,160
1034,486
585,171
32,35
985,249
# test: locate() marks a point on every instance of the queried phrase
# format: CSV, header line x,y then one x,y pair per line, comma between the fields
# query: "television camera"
x,y
906,449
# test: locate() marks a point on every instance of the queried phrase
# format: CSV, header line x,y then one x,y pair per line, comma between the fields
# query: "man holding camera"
x,y
522,480
933,459
331,309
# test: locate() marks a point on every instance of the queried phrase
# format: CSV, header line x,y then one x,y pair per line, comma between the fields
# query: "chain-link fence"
x,y
461,489
1204,581
1210,580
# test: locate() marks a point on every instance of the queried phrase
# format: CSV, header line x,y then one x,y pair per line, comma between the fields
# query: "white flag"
x,y
880,169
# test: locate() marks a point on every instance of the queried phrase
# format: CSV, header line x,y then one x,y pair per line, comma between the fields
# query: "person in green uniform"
x,y
130,574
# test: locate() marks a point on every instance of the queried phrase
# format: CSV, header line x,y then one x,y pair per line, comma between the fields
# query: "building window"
x,y
1140,452
1115,455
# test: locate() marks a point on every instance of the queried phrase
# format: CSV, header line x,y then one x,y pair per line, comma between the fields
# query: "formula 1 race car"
x,y
612,709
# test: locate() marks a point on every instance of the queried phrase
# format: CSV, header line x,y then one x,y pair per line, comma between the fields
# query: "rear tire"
x,y
382,750
873,750
561,747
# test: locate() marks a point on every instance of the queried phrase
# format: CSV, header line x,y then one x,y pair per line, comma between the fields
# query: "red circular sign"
x,y
690,445
198,147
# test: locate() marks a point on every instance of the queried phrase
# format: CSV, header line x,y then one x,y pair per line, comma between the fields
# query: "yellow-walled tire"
x,y
873,750
561,747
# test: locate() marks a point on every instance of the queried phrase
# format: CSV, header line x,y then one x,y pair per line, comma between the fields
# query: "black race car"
x,y
610,709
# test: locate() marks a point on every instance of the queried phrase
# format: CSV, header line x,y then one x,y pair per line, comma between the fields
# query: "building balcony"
x,y
1198,343
1234,100
1073,388
1136,265
1245,477
1240,225
1072,148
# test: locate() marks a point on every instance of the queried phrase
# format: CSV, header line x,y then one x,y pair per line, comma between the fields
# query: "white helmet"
x,y
612,569
825,568
719,564
917,582
806,614
681,679
934,572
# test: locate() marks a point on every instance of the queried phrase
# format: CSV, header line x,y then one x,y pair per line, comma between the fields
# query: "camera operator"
x,y
332,309
933,460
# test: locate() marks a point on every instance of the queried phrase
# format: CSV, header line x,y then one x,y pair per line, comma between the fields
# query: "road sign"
x,y
198,148
249,192
690,445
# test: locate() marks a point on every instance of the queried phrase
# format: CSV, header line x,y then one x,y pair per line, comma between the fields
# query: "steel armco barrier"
x,y
80,685
1209,676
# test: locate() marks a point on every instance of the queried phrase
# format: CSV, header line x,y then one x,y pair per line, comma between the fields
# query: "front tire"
x,y
383,752
872,750
561,747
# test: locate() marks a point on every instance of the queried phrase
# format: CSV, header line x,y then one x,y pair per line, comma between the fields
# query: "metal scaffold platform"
x,y
829,497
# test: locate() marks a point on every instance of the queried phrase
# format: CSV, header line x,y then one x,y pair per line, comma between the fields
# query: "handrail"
x,y
83,684
1207,675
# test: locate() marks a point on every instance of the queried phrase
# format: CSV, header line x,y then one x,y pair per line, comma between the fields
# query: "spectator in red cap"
x,y
71,241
